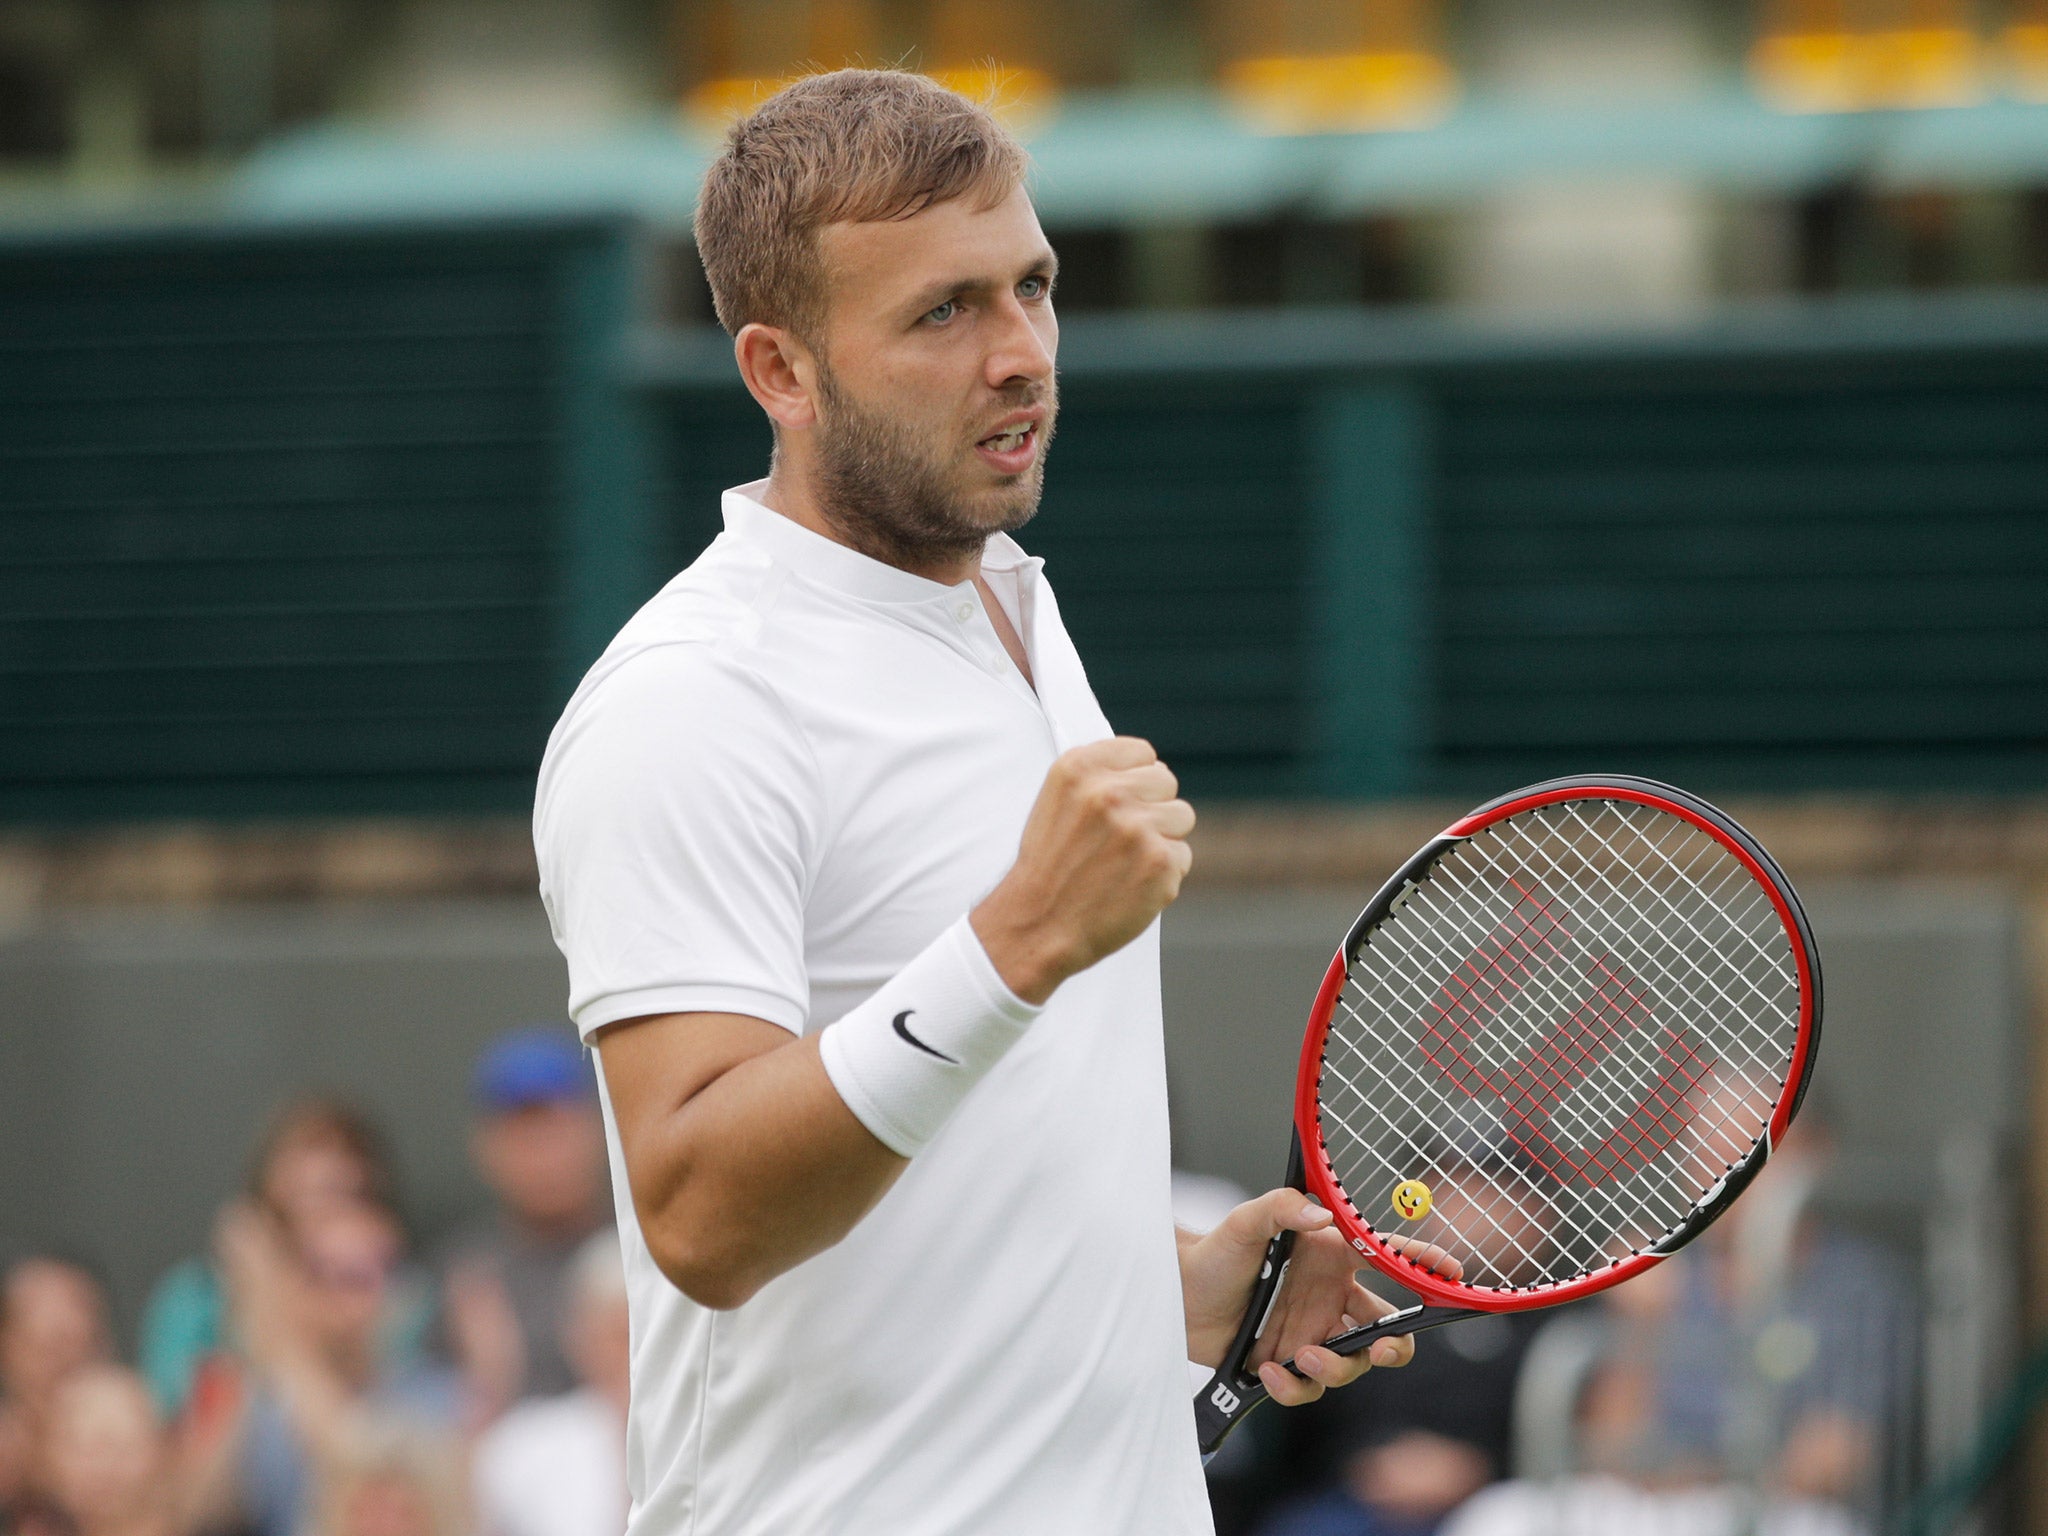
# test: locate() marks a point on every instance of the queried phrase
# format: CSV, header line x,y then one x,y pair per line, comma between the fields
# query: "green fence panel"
x,y
329,521
312,521
1181,562
1799,548
1792,575
1374,654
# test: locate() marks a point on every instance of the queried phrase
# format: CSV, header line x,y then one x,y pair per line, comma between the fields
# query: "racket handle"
x,y
1407,1320
1234,1392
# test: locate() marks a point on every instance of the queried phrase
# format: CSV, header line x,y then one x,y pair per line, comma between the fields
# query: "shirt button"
x,y
964,612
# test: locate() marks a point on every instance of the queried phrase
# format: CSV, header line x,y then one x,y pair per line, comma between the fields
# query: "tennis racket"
x,y
1556,1045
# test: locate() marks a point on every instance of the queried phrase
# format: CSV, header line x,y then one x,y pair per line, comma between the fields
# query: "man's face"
x,y
936,394
545,1161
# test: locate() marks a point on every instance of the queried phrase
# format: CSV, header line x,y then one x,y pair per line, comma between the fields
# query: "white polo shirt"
x,y
791,771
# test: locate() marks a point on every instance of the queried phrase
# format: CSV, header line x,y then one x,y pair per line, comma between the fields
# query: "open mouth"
x,y
1010,451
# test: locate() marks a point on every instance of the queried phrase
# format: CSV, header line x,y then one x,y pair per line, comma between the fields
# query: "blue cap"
x,y
531,1066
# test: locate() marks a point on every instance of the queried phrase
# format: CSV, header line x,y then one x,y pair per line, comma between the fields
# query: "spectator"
x,y
108,1456
557,1466
539,1144
1737,1393
313,1304
1665,1409
388,1479
1607,1506
315,1152
53,1323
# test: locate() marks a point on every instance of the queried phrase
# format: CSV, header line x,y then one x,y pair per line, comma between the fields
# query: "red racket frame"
x,y
1321,1179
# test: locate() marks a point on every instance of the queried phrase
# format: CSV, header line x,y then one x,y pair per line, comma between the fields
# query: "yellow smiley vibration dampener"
x,y
1411,1200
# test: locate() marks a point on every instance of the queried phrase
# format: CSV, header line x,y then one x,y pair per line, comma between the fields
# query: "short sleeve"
x,y
674,823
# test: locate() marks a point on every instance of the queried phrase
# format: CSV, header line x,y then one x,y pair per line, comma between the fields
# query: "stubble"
x,y
884,488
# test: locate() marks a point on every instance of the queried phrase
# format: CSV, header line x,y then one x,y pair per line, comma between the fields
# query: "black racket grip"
x,y
1232,1392
1229,1395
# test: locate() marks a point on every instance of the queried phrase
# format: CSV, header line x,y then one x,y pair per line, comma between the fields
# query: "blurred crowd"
x,y
308,1373
1757,1382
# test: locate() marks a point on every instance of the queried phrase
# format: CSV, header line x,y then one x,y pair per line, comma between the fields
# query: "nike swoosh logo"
x,y
904,1030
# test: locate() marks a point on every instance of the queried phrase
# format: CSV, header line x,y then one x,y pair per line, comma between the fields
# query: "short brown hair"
x,y
333,1122
855,145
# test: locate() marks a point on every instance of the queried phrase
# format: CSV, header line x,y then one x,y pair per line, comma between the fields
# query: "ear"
x,y
780,373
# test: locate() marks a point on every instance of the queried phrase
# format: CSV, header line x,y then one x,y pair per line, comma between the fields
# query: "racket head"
x,y
1595,1005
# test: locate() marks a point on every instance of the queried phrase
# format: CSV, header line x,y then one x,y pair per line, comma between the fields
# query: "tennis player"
x,y
858,893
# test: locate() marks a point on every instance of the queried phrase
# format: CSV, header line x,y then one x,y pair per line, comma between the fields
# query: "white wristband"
x,y
904,1059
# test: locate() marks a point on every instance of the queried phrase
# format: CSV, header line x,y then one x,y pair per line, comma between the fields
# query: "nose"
x,y
1022,344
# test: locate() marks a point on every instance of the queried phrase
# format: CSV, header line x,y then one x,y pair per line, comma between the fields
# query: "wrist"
x,y
904,1082
1031,961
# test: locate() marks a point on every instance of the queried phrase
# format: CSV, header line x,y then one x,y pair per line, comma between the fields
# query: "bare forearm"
x,y
758,1170
745,1159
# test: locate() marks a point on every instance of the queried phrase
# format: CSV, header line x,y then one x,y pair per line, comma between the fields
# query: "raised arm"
x,y
744,1155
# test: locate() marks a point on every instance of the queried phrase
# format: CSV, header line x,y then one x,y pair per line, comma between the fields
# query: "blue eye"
x,y
1035,287
943,313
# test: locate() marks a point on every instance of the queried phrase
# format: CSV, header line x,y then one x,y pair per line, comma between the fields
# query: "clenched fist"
x,y
1102,855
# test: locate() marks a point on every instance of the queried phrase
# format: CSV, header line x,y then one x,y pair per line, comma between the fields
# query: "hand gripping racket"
x,y
1556,1045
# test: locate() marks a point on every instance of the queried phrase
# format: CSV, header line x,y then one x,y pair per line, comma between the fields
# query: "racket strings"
x,y
1504,1205
1740,924
1623,900
1553,1000
1444,1228
1757,907
1661,1068
1571,1030
1494,1072
1733,872
1528,1086
1507,1196
1510,1180
1753,1069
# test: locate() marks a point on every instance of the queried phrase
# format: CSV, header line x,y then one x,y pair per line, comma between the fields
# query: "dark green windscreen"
x,y
1815,561
1174,532
280,521
706,444
329,521
1782,577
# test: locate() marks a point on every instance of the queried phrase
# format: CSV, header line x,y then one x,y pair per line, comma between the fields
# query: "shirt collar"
x,y
832,564
1003,553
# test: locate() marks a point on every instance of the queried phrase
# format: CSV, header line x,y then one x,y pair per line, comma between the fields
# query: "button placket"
x,y
981,638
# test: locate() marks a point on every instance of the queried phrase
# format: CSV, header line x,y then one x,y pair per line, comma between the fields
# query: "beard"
x,y
891,492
